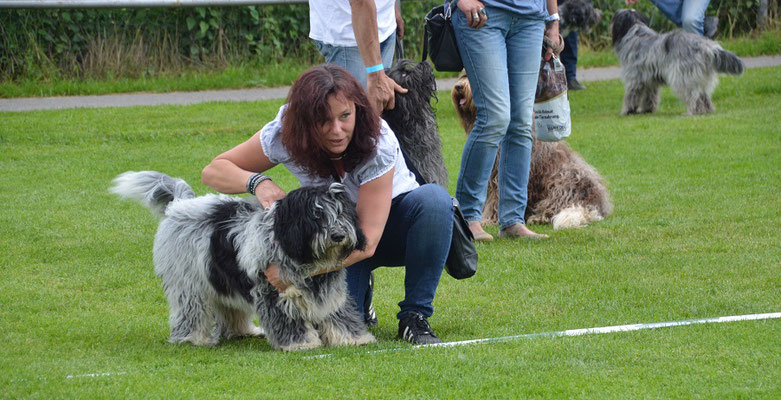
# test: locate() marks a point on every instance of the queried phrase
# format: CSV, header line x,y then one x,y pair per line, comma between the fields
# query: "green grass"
x,y
694,235
257,74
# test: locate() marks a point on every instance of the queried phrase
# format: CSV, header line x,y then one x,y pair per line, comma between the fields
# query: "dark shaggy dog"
x,y
564,190
414,123
211,251
577,15
686,62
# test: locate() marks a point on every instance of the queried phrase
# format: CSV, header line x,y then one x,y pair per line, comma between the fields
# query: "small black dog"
x,y
414,123
577,15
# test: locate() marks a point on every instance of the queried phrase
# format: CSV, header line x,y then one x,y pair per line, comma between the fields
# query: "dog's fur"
x,y
564,190
687,62
211,251
577,15
414,123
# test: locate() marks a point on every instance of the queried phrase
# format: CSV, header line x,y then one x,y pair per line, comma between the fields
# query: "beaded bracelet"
x,y
254,181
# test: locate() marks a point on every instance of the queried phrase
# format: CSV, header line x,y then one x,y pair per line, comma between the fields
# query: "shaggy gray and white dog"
x,y
211,251
687,62
577,15
414,123
563,190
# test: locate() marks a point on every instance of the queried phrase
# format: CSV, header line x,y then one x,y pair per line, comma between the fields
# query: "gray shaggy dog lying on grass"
x,y
211,251
687,62
564,190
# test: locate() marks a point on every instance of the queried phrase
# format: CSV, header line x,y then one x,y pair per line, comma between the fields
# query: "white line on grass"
x,y
570,332
581,332
98,375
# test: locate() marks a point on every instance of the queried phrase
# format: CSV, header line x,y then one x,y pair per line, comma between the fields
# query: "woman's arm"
x,y
374,202
373,207
229,171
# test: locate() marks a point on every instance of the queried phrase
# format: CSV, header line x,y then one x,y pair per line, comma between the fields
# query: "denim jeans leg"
x,y
350,59
569,56
693,15
671,9
524,47
484,54
417,236
428,212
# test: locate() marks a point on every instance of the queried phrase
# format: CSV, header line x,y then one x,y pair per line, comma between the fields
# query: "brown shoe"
x,y
520,231
478,232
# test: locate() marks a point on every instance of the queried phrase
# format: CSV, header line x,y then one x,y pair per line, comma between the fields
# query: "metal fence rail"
x,y
137,3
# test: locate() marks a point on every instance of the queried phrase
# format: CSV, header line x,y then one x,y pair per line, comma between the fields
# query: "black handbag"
x,y
439,40
462,259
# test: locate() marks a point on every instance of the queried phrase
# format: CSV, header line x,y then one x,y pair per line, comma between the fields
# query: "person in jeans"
x,y
360,36
689,15
328,132
569,58
500,42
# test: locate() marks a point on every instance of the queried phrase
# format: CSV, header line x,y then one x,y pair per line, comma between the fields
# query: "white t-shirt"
x,y
388,155
330,21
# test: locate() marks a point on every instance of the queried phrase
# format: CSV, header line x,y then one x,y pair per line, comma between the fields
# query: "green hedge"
x,y
106,43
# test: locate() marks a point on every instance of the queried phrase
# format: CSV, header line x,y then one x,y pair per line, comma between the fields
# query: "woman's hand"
x,y
474,11
268,192
272,274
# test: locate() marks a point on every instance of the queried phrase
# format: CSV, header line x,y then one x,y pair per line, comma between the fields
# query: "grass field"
x,y
695,234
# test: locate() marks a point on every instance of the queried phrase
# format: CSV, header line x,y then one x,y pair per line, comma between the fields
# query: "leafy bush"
x,y
41,44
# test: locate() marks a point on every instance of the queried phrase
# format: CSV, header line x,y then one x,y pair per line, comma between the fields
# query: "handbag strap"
x,y
448,13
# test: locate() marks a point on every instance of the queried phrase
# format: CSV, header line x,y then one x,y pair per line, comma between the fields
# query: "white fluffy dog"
x,y
211,251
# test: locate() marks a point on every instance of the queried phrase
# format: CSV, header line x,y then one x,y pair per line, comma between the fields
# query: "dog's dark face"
x,y
578,15
418,79
318,225
461,95
624,20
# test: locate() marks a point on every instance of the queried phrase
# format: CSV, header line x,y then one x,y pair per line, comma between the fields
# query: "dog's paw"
x,y
364,339
195,341
310,344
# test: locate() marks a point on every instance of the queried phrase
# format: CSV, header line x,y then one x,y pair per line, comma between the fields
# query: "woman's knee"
x,y
434,201
692,23
492,122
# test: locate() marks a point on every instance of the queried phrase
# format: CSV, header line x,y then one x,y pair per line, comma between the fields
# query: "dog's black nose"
x,y
337,237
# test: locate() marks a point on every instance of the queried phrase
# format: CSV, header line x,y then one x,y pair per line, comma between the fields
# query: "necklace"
x,y
337,158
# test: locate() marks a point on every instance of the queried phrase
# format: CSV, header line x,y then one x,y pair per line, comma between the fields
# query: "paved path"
x,y
153,99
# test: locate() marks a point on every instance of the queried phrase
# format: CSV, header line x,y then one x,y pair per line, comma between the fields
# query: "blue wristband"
x,y
378,67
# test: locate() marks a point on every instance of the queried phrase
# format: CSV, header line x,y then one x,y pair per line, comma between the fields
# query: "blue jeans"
x,y
569,56
502,61
417,235
350,59
688,14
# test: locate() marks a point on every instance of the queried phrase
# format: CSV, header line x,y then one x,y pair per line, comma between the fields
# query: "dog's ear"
x,y
296,222
348,212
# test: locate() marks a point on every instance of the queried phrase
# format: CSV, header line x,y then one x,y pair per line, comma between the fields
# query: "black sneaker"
x,y
415,329
573,84
369,316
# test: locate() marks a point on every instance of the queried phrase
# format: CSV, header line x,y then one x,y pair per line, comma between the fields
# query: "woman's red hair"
x,y
308,110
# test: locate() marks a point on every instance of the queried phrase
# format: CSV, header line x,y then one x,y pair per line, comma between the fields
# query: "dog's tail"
x,y
728,63
575,217
152,189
